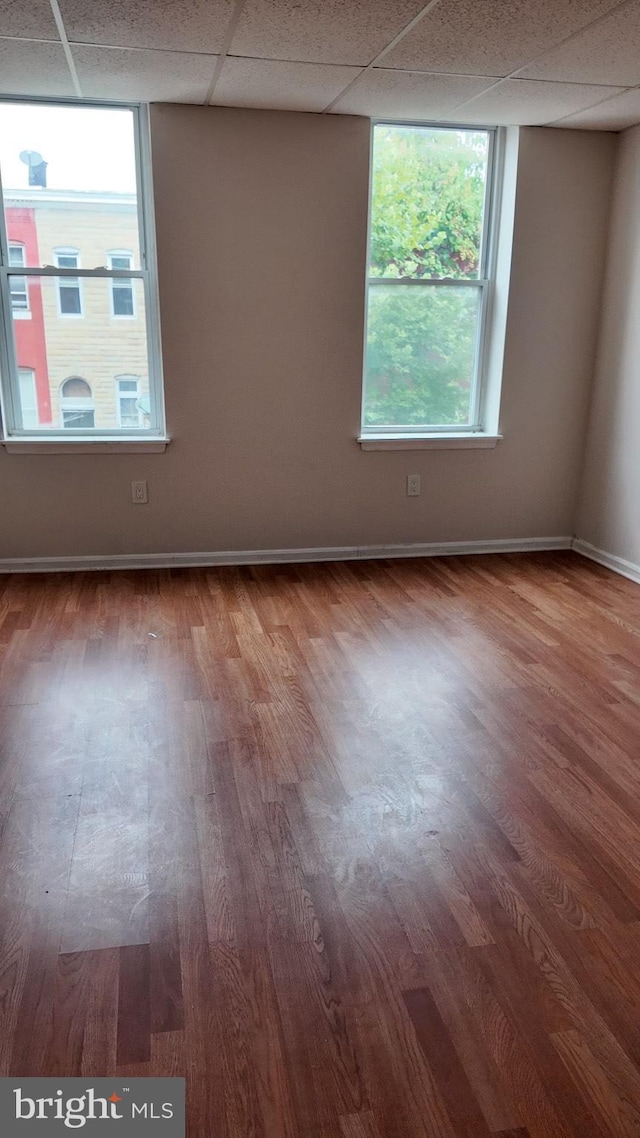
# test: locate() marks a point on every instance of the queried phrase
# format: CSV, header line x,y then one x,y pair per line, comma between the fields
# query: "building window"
x,y
430,260
130,410
28,398
18,285
69,289
93,193
122,294
76,404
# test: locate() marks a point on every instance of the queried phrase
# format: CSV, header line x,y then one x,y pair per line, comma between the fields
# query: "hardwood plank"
x,y
134,1005
440,1053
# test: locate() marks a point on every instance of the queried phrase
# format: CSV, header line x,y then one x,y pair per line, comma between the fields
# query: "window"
x,y
130,410
84,266
76,404
28,397
430,260
69,294
122,302
18,285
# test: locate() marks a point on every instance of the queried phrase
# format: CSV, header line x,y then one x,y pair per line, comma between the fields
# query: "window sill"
x,y
104,445
463,440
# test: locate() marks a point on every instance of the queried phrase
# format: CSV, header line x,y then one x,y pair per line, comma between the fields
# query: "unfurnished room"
x,y
320,568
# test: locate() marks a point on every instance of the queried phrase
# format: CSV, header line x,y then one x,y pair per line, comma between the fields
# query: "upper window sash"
x,y
485,253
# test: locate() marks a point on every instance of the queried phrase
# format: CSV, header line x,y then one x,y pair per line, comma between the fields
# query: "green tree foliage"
x,y
428,195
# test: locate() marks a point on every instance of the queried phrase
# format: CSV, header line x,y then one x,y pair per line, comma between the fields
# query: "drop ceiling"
x,y
566,63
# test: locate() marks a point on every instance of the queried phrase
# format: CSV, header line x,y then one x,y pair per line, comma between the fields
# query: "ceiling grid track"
x,y
385,51
224,51
66,46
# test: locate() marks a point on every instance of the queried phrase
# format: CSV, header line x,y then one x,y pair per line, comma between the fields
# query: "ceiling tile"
x,y
31,68
153,76
405,94
280,86
614,114
321,31
527,103
605,53
32,20
493,37
178,25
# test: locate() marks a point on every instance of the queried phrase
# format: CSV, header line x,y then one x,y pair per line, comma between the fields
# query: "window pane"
x,y
427,205
122,298
78,420
85,355
70,301
421,349
75,185
19,293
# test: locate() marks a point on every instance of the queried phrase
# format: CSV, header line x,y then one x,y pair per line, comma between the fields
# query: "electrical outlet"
x,y
139,493
413,485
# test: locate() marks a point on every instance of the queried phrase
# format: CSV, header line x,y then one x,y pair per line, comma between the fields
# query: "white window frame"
x,y
120,395
76,282
28,374
479,432
129,281
153,437
20,313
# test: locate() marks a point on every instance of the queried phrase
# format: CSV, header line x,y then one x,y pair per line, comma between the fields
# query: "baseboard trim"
x,y
609,560
277,556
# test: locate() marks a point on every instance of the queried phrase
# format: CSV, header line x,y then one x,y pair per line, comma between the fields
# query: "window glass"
x,y
84,182
96,348
76,219
428,266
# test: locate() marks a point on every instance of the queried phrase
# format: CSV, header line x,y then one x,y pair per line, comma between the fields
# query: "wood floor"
x,y
354,847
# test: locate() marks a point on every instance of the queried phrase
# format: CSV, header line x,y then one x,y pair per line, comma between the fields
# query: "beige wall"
x,y
261,221
609,515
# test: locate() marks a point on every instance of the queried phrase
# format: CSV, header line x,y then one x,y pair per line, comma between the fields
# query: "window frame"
x,y
125,378
111,253
154,436
478,432
19,313
76,281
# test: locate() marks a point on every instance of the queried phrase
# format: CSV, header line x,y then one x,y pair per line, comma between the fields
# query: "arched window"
x,y
76,404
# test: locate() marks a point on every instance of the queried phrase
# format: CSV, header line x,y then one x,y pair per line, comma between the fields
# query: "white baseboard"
x,y
277,556
609,560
